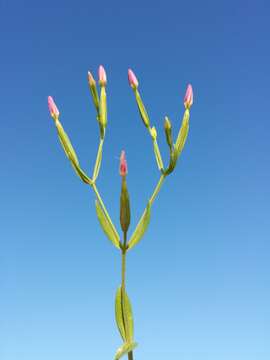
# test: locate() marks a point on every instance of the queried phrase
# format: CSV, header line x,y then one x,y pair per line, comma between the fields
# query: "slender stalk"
x,y
123,290
157,188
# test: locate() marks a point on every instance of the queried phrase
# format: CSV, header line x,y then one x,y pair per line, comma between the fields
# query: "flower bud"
x,y
53,108
102,76
168,131
91,79
123,164
124,197
93,89
188,99
133,81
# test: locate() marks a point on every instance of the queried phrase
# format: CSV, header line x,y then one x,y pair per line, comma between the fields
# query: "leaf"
x,y
142,110
107,227
119,313
98,161
123,315
140,228
183,133
70,153
66,144
82,174
124,349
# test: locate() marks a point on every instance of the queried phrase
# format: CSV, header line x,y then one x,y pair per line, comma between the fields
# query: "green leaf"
x,y
141,228
142,110
124,349
98,161
82,174
66,144
107,227
70,153
183,133
123,315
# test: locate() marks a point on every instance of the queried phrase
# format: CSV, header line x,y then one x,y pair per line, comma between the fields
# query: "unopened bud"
x,y
53,108
123,164
188,99
124,197
93,89
102,76
168,131
133,81
91,79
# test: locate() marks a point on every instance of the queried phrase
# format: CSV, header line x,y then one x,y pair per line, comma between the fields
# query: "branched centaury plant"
x,y
123,312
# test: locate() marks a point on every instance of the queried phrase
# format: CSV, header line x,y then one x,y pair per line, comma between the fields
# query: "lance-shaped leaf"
x,y
125,349
140,228
123,315
70,153
183,133
142,110
66,144
98,161
107,227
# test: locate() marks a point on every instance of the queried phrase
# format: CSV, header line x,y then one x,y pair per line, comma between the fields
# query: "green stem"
x,y
123,290
157,188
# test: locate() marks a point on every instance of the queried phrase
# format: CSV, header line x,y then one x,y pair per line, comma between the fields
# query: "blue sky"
x,y
199,280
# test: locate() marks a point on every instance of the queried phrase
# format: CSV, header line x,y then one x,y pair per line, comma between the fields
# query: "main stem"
x,y
123,290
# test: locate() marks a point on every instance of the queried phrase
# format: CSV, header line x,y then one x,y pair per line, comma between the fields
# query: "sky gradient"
x,y
199,279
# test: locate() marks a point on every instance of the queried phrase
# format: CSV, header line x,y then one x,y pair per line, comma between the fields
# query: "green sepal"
x,y
98,161
140,228
124,206
107,227
183,133
142,110
123,314
158,155
103,107
125,349
70,152
173,161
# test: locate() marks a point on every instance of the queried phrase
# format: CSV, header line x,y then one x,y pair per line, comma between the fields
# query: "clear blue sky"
x,y
199,280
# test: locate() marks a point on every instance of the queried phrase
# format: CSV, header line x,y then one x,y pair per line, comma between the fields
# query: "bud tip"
x,y
133,81
123,164
91,79
53,108
188,99
102,75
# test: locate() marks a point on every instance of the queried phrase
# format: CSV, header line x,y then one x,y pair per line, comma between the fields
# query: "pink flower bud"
x,y
188,99
102,76
91,79
133,81
53,108
123,164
